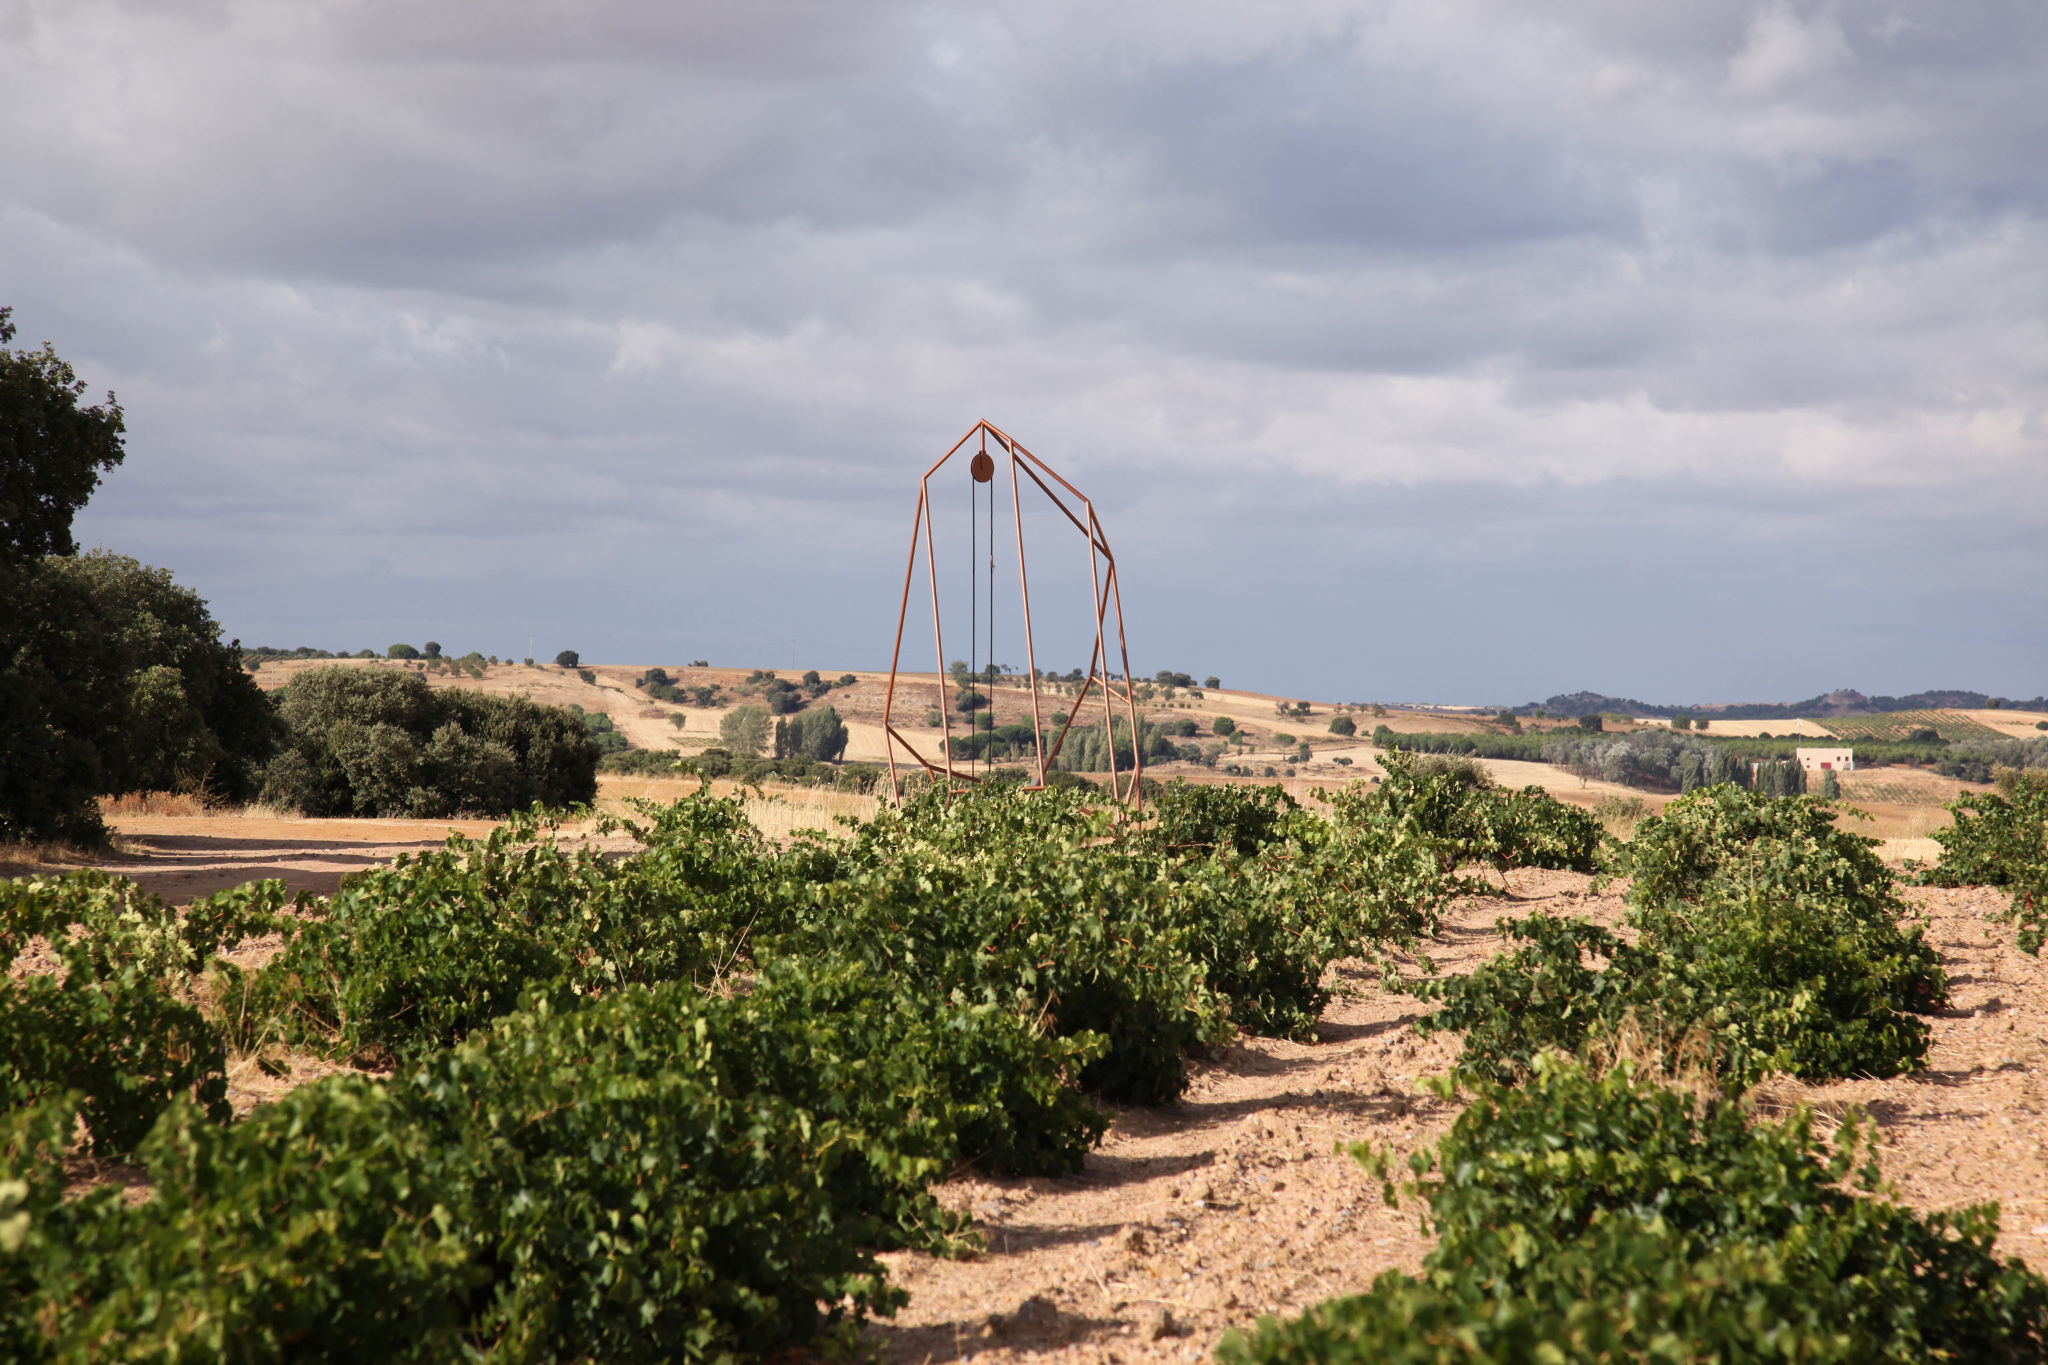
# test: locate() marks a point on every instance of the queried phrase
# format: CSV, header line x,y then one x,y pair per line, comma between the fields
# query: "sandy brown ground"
x,y
181,857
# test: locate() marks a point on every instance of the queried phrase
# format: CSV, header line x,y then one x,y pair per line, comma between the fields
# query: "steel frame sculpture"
x,y
1107,598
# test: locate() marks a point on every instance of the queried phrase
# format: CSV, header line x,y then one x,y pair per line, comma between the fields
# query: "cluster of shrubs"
x,y
1756,924
781,697
603,730
368,743
657,683
1607,1195
2001,839
1677,761
1600,1214
587,1144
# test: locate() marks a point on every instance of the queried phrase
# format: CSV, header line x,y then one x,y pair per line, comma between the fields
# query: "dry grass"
x,y
1620,815
1897,851
154,803
1895,822
777,811
36,859
782,814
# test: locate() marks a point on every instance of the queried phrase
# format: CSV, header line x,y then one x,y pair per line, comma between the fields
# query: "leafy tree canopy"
x,y
51,449
745,729
115,679
370,742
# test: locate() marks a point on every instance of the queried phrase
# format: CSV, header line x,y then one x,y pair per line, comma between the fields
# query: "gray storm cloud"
x,y
632,323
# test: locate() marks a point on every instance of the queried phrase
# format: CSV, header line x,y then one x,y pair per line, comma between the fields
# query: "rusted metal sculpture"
x,y
1116,686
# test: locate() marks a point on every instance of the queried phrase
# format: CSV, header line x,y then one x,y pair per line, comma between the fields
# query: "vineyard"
x,y
1902,726
701,1100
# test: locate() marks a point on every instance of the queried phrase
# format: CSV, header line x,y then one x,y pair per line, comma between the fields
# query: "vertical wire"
x,y
991,618
973,604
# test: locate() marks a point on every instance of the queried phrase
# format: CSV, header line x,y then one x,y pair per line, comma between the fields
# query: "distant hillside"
x,y
1844,702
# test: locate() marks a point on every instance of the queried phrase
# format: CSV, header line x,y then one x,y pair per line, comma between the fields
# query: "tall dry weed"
x,y
1686,1062
155,803
1620,815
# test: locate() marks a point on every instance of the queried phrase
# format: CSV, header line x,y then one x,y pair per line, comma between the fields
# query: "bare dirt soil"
x,y
182,857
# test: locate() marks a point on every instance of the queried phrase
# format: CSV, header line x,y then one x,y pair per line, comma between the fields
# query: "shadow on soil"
x,y
965,1338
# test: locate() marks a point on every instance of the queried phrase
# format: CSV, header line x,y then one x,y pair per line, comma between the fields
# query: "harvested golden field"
x,y
1777,729
2011,724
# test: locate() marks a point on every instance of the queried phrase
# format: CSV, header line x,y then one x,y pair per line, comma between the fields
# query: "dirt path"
x,y
1235,1203
180,857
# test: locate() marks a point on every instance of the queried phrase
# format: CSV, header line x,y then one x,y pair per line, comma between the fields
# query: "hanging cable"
x,y
991,618
973,609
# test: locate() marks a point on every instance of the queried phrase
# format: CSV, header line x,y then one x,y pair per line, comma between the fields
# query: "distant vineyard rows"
x,y
1898,726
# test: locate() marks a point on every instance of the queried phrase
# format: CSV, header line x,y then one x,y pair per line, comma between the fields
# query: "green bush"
x,y
745,729
1343,725
1172,934
1996,838
1761,931
401,652
414,957
1761,986
818,735
638,1179
1745,841
642,762
1022,903
1224,725
568,658
1605,1217
1454,801
2002,840
1218,817
370,743
956,1082
117,1027
603,732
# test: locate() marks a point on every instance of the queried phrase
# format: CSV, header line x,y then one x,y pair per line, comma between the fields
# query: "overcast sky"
x,y
1456,349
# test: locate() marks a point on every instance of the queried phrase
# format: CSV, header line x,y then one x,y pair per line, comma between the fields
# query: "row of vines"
x,y
666,1105
1608,1195
671,1104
